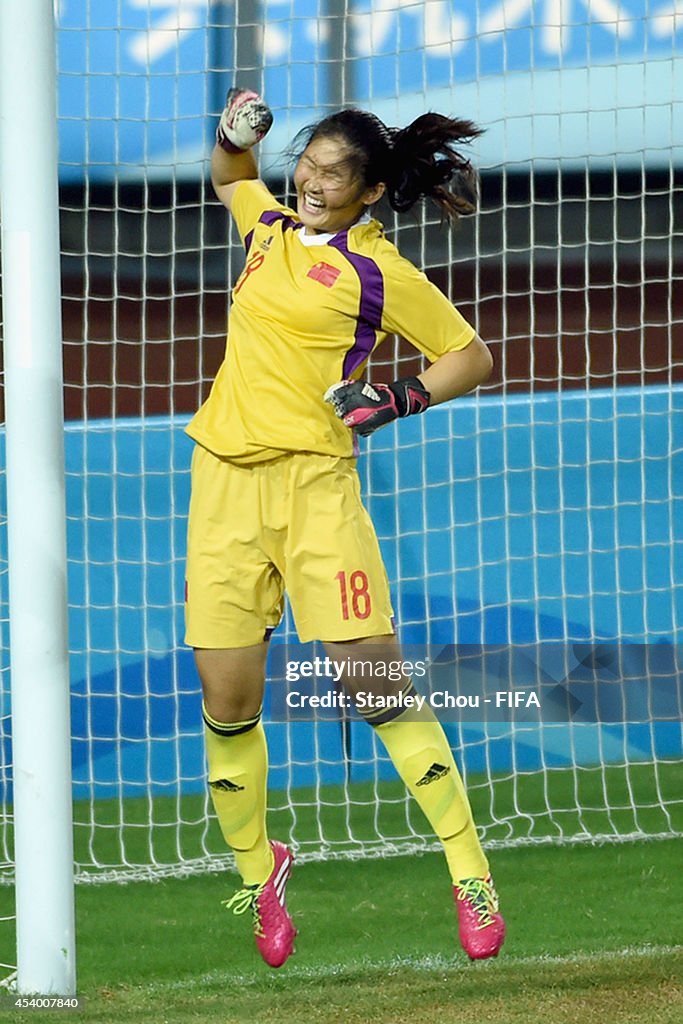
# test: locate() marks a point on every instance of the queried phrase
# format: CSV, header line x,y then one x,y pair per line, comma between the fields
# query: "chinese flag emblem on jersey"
x,y
324,272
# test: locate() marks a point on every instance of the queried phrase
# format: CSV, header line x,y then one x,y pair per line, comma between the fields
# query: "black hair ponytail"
x,y
416,162
426,164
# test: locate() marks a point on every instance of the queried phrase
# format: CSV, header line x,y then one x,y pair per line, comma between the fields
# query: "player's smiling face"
x,y
330,193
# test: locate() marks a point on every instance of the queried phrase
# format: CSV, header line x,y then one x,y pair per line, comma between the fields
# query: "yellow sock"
x,y
424,760
238,769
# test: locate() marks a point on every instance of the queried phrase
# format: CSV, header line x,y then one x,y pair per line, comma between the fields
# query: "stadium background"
x,y
566,272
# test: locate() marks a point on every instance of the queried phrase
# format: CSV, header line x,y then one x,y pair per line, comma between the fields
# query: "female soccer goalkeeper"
x,y
275,497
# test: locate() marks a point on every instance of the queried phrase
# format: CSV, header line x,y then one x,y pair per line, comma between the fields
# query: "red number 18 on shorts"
x,y
356,588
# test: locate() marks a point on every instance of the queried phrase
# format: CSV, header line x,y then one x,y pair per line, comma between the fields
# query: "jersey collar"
x,y
324,239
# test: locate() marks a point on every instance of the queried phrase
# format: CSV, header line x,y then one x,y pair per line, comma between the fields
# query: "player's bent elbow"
x,y
482,360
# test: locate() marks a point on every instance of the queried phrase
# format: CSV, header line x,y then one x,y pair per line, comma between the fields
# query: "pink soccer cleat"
x,y
273,928
482,928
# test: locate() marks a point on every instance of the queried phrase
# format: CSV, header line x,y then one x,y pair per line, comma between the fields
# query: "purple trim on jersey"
x,y
371,304
270,217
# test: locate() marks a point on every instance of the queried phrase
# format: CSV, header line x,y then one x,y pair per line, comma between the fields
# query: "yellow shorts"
x,y
296,522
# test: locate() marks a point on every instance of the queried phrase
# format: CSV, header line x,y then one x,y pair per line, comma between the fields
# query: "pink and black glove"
x,y
244,122
367,407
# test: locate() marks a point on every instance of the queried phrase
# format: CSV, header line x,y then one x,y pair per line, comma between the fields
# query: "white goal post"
x,y
36,514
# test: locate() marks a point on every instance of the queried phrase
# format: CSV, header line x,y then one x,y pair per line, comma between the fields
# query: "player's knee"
x,y
232,682
227,729
232,707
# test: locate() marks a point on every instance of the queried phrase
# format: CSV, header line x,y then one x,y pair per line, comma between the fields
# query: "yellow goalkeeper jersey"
x,y
306,312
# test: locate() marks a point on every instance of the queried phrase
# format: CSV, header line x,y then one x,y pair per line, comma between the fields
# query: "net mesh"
x,y
545,508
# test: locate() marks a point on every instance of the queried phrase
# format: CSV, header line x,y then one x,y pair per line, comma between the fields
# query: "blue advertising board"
x,y
579,552
141,80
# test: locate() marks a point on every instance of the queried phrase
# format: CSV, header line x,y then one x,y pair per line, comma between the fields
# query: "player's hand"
x,y
244,122
367,407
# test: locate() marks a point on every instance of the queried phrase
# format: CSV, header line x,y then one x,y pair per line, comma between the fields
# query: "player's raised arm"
x,y
244,122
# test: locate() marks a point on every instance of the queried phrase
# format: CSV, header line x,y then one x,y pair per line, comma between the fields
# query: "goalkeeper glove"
x,y
366,407
244,122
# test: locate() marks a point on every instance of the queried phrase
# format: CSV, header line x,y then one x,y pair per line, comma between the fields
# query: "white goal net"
x,y
541,519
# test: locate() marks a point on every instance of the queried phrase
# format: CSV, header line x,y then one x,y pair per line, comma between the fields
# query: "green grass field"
x,y
595,932
594,935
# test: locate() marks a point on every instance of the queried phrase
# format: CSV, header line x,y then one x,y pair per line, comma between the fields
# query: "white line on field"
x,y
423,963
